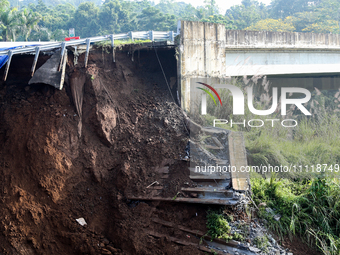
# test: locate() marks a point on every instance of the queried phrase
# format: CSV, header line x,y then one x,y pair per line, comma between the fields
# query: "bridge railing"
x,y
35,49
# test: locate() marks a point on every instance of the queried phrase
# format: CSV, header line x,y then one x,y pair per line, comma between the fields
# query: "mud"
x,y
80,151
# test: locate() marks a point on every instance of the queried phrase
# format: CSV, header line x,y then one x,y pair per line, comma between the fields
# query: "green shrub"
x,y
218,226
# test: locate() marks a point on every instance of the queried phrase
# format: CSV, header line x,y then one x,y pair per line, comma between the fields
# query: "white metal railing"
x,y
142,35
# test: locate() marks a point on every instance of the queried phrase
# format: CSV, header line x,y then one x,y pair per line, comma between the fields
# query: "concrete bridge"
x,y
208,50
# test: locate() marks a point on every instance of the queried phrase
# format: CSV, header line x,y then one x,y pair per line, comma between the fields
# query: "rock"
x,y
253,249
107,121
81,221
272,240
105,241
166,122
277,217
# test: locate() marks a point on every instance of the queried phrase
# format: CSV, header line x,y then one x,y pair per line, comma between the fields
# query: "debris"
x,y
253,249
155,182
81,221
194,195
277,217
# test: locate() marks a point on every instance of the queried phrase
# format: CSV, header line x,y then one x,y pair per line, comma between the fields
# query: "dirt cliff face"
x,y
81,151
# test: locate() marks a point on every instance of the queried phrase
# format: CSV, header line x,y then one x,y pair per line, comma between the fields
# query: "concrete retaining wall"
x,y
201,54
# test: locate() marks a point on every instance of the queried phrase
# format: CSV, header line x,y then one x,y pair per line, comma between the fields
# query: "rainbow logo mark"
x,y
209,93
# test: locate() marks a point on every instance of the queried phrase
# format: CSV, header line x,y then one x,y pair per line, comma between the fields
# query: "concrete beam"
x,y
267,39
279,62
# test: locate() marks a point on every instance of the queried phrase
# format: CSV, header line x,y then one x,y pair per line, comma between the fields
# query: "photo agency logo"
x,y
239,104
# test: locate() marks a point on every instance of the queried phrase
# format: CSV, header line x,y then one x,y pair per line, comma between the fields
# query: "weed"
x,y
107,43
175,196
213,252
218,226
310,208
238,237
309,202
262,242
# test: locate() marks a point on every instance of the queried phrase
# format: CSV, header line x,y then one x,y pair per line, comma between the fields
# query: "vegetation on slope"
x,y
309,202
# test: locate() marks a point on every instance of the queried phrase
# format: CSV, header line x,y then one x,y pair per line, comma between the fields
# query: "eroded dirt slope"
x,y
57,166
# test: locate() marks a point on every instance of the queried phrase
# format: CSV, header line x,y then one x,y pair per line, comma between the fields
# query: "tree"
x,y
211,7
246,14
9,23
189,13
41,34
220,19
85,20
327,26
153,19
284,8
114,18
28,20
173,8
272,25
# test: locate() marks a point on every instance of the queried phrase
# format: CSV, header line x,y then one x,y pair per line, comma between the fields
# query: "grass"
x,y
107,43
218,226
310,209
315,140
262,243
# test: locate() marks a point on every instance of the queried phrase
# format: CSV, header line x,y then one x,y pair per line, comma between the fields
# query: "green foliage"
x,y
114,17
86,13
218,226
238,237
272,25
229,24
284,8
262,243
308,208
152,18
327,26
9,23
246,14
28,21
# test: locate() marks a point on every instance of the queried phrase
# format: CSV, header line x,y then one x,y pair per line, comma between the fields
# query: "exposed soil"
x,y
62,159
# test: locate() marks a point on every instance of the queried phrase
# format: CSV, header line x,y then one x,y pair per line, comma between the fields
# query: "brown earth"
x,y
56,166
